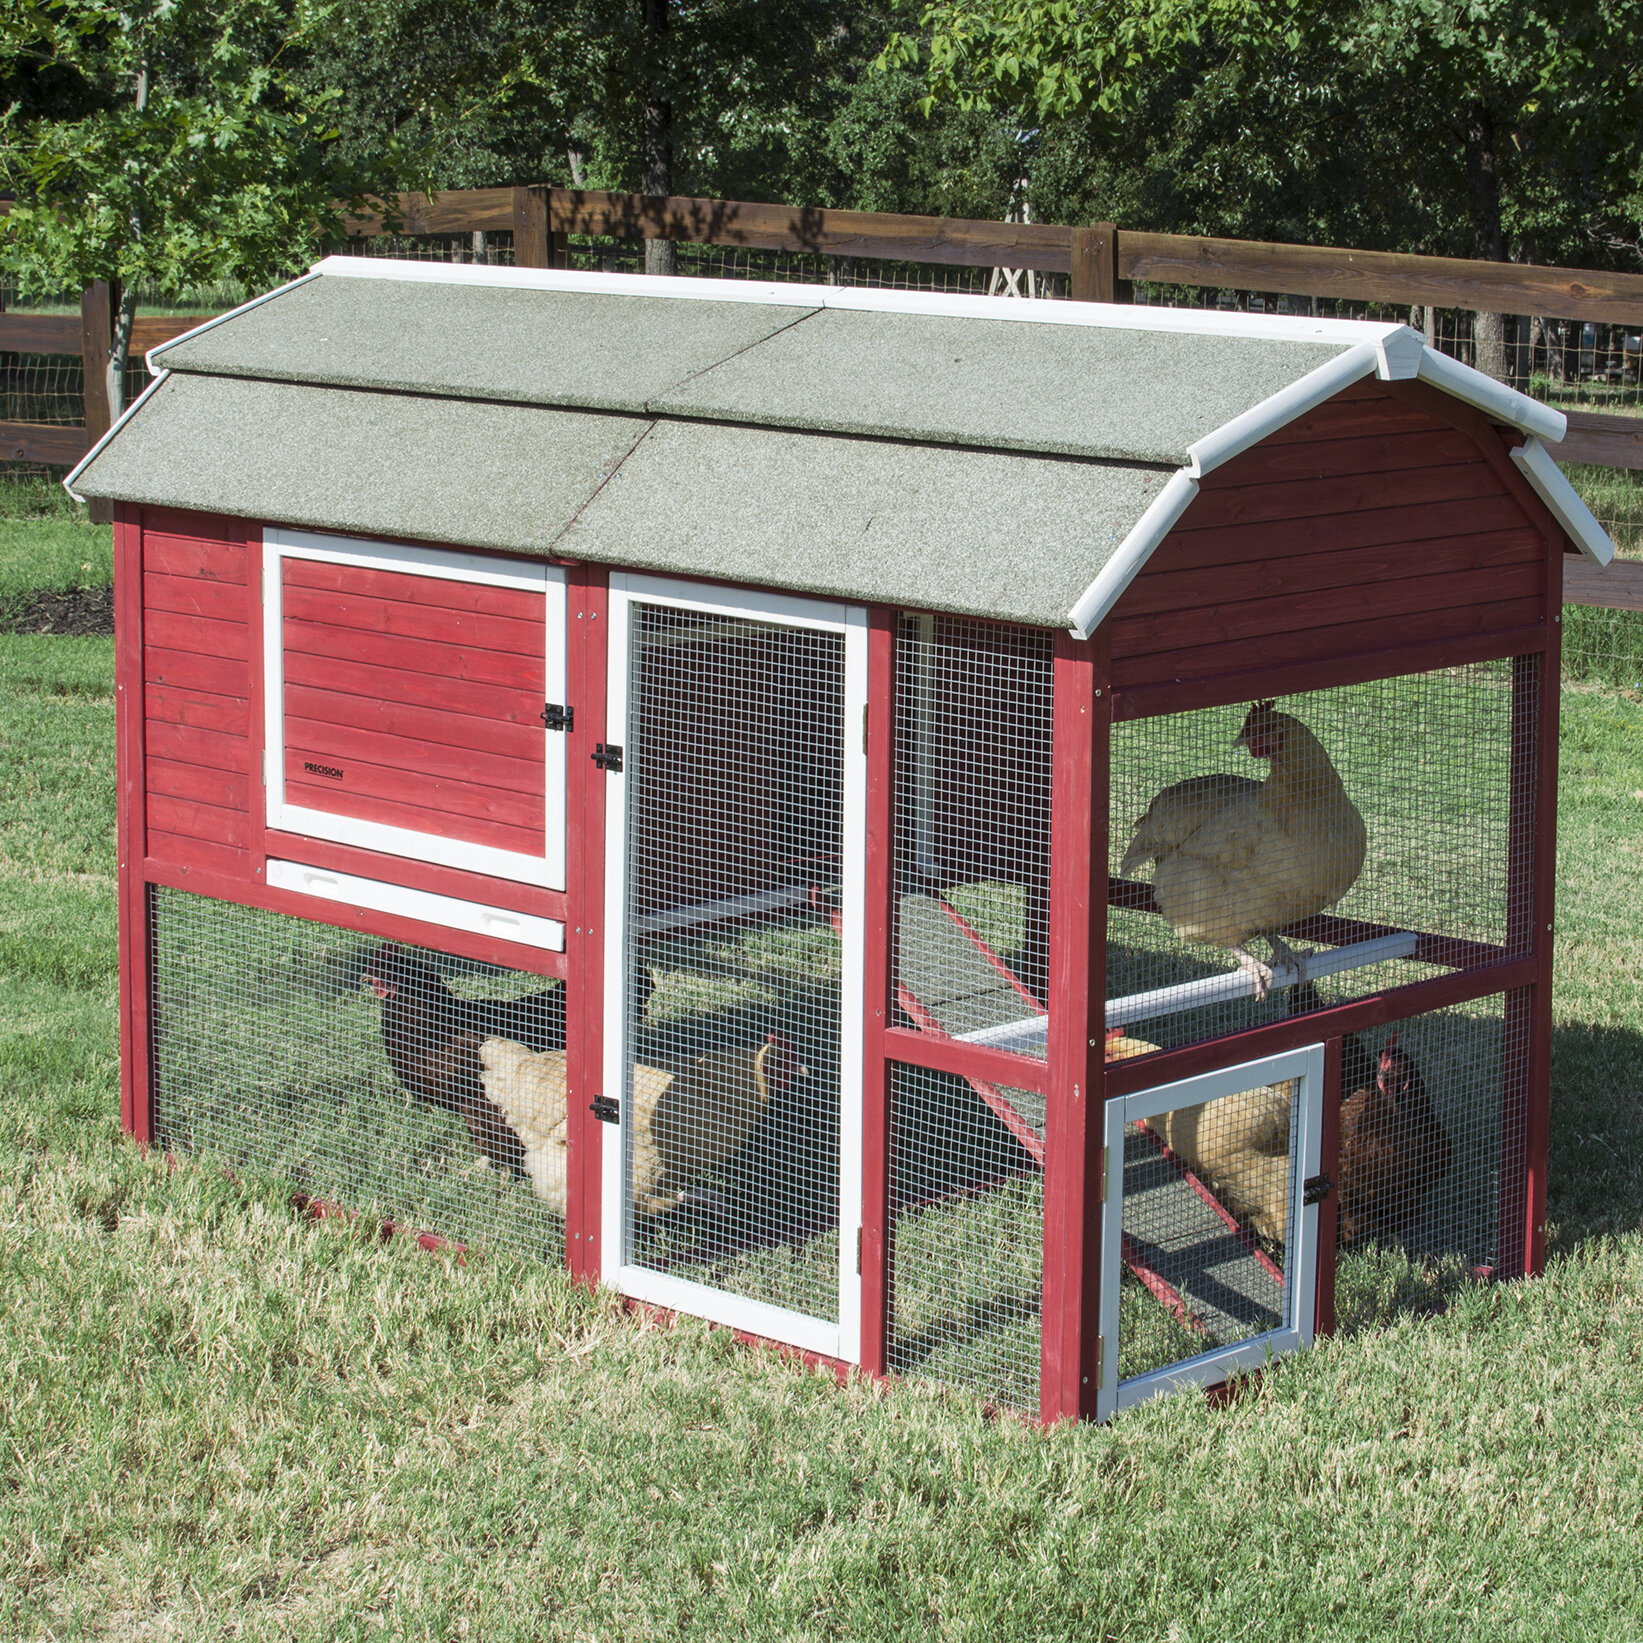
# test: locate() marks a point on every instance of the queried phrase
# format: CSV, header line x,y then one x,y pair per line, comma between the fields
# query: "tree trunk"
x,y
1491,333
656,129
119,351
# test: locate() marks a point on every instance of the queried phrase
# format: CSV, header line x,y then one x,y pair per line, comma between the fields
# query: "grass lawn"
x,y
219,1420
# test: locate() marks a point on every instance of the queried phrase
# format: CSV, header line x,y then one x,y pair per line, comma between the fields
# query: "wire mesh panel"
x,y
973,722
734,774
967,1245
1286,856
390,1080
1431,1159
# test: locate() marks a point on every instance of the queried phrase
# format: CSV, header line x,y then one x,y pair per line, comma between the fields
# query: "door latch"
x,y
607,757
606,1109
1315,1190
555,717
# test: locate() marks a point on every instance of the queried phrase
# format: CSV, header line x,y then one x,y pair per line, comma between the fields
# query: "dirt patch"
x,y
78,611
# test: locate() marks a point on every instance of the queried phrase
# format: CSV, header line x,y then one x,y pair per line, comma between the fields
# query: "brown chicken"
x,y
1394,1150
1238,859
432,1041
686,1118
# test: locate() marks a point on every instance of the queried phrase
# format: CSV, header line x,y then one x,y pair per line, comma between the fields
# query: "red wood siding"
x,y
196,690
416,702
1363,527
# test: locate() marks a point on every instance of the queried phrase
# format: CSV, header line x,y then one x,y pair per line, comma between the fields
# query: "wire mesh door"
x,y
735,856
1208,1245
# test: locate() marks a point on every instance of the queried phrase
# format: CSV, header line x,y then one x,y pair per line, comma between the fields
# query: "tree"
x,y
1058,58
174,150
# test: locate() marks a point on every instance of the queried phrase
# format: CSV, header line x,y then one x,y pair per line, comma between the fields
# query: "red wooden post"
x,y
1070,1365
1329,1211
877,1226
1537,1132
587,618
131,845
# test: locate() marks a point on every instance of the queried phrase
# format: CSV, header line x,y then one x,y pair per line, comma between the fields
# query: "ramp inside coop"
x,y
290,1048
736,862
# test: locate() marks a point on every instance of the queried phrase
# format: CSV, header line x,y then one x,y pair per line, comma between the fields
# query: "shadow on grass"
x,y
1595,1182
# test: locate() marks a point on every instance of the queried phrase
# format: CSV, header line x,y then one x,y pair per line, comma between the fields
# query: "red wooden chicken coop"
x,y
1008,842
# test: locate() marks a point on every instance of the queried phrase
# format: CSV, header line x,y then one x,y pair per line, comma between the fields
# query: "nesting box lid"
x,y
986,456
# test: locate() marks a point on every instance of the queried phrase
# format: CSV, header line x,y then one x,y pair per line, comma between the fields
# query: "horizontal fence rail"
x,y
1094,261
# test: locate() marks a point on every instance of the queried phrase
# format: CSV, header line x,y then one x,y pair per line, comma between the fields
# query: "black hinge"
x,y
1316,1189
607,757
555,717
605,1109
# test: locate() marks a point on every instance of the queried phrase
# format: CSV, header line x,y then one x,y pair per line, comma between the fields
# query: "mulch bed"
x,y
78,611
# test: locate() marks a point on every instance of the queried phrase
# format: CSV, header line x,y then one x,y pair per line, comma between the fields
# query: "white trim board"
x,y
1107,316
834,1340
279,543
1304,1066
449,912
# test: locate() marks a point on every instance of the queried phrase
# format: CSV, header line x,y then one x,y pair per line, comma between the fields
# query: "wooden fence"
x,y
1097,262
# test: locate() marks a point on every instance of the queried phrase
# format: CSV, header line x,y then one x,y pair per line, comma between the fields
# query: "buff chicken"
x,y
687,1118
1236,859
1393,1148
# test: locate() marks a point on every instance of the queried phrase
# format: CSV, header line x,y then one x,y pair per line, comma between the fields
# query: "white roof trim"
x,y
125,416
1560,496
1133,552
1494,398
1344,333
1252,426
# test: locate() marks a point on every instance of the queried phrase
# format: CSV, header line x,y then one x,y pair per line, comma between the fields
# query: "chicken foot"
x,y
1283,957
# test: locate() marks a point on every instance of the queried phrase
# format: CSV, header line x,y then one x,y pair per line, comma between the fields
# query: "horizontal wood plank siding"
x,y
196,690
1365,526
415,701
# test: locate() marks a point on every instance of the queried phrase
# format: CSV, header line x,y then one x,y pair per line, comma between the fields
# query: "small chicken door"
x,y
735,889
410,703
1208,1241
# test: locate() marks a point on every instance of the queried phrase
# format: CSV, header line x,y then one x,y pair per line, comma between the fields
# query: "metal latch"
x,y
555,717
607,757
1316,1189
606,1109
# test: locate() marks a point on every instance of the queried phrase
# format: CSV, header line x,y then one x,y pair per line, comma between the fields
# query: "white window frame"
x,y
279,544
843,1339
1306,1067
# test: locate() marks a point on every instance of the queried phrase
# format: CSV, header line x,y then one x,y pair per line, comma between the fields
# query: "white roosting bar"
x,y
1030,1033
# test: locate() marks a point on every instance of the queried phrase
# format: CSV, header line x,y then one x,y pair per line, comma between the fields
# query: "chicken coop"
x,y
996,841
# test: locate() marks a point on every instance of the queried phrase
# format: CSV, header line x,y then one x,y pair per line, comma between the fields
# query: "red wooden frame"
x,y
587,652
1070,1367
136,1086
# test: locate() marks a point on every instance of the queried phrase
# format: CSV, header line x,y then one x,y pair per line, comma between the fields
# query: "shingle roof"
x,y
932,452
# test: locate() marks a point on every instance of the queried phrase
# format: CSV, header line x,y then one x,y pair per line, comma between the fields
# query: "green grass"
x,y
47,542
219,1419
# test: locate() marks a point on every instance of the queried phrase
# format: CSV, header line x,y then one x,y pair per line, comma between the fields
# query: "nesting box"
x,y
1005,841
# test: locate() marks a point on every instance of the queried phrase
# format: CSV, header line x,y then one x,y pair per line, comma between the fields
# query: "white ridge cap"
x,y
1344,333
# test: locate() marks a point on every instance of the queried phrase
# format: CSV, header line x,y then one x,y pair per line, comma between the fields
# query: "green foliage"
x,y
177,149
1054,58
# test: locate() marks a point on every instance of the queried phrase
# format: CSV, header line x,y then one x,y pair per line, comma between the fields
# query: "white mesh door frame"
x,y
1306,1068
841,1340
